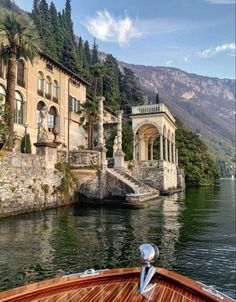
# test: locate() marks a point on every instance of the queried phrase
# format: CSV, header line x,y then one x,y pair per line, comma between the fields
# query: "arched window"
x,y
18,108
2,93
40,105
40,83
55,91
21,73
52,118
48,89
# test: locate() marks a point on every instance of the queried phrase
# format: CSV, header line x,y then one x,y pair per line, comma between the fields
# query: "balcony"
x,y
151,109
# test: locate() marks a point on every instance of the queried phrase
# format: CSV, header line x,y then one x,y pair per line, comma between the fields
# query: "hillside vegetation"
x,y
194,157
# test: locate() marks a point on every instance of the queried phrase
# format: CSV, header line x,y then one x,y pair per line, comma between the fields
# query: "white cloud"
x,y
221,1
106,27
169,63
230,48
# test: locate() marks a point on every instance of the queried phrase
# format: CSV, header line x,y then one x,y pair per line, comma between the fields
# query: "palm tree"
x,y
89,111
18,39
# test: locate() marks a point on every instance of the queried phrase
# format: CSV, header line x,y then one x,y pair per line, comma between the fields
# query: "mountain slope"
x,y
205,104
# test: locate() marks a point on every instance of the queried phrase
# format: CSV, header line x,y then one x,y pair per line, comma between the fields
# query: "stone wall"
x,y
26,183
160,175
100,185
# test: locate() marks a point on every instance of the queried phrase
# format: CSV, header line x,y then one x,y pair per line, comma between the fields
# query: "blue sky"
x,y
197,36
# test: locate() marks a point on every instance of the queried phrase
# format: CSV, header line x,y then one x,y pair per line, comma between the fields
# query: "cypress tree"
x,y
87,55
68,17
81,51
95,58
26,144
157,99
130,89
111,83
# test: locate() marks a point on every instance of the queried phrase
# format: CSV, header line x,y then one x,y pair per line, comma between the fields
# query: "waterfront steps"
x,y
141,193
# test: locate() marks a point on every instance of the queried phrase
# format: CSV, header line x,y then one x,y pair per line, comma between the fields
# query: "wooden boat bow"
x,y
114,285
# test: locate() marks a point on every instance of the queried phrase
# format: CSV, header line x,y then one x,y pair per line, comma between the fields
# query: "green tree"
x,y
18,39
157,99
26,144
95,58
68,17
42,18
200,168
130,89
87,55
111,83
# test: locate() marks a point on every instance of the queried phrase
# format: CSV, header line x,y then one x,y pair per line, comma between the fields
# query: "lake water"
x,y
195,234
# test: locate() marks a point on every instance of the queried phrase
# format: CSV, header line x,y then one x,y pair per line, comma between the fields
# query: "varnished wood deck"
x,y
117,285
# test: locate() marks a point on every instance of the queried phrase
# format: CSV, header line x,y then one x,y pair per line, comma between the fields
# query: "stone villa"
x,y
154,168
47,82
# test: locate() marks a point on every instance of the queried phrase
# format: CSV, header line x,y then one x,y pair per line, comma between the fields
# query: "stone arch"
x,y
53,118
146,122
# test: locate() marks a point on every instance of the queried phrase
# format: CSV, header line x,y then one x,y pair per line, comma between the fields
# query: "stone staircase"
x,y
141,192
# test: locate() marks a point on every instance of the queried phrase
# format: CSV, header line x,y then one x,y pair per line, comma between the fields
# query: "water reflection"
x,y
196,236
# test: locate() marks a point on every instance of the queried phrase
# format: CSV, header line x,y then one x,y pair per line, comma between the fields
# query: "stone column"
x,y
146,149
152,150
166,149
119,154
140,146
170,152
115,146
161,147
174,153
134,147
176,156
100,145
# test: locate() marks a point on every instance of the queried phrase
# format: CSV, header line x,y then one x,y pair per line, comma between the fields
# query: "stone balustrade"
x,y
155,108
84,159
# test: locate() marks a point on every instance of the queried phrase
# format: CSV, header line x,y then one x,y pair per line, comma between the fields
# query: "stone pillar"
x,y
115,146
43,146
119,154
146,149
140,147
152,150
49,151
161,147
173,152
100,145
134,147
166,149
176,156
170,152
